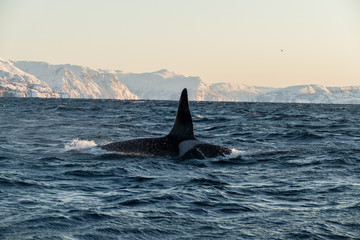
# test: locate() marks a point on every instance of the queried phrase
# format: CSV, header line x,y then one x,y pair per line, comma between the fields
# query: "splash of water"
x,y
235,153
77,144
86,146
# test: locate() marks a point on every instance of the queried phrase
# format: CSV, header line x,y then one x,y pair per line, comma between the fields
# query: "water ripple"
x,y
294,175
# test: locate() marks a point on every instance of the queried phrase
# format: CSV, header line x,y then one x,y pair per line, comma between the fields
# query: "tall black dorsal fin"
x,y
183,126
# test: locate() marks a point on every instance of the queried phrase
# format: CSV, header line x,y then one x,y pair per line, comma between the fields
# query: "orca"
x,y
180,142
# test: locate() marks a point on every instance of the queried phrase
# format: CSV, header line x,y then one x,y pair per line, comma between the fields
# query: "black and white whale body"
x,y
180,142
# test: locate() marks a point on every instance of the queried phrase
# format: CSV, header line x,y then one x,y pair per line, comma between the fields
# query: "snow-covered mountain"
x,y
240,92
313,94
82,82
293,94
166,85
17,83
78,82
39,79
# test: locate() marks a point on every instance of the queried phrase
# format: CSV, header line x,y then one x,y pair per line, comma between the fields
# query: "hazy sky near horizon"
x,y
255,42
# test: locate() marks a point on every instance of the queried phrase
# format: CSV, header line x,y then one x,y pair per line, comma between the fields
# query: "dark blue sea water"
x,y
295,173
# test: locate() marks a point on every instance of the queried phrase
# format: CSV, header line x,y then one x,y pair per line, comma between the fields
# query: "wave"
x,y
235,153
86,146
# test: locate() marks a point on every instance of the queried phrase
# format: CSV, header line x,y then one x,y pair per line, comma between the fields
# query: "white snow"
x,y
313,94
40,79
166,85
78,82
17,83
239,92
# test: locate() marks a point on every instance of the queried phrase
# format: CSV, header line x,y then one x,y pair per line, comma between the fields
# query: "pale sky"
x,y
237,41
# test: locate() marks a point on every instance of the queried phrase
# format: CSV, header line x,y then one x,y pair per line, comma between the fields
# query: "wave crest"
x,y
77,144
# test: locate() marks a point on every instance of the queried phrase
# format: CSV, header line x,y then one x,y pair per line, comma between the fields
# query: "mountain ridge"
x,y
75,81
41,79
16,83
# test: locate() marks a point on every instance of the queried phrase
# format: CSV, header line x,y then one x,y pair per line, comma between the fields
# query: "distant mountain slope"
x,y
239,92
78,82
166,85
313,94
17,83
40,79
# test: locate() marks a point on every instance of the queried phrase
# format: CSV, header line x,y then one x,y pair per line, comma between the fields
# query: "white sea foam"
x,y
77,144
235,153
87,146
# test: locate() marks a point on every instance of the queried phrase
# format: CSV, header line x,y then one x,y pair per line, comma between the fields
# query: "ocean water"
x,y
294,172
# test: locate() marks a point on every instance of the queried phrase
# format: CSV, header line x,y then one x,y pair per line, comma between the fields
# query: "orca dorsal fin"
x,y
183,126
